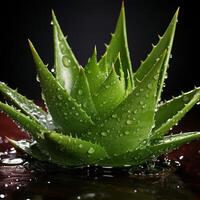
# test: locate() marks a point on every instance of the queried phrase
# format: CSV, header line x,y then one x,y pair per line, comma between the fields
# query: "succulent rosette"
x,y
103,114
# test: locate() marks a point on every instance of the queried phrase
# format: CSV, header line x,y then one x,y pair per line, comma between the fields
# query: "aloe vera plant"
x,y
104,113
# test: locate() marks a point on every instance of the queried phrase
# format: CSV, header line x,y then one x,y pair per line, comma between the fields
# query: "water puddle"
x,y
23,180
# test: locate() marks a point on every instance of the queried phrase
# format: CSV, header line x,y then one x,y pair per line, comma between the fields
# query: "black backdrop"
x,y
90,22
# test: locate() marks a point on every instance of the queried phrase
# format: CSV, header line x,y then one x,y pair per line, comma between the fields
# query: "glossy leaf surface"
x,y
66,113
66,65
102,114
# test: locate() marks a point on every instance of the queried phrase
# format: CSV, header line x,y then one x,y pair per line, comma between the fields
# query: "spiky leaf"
x,y
81,92
164,43
170,112
119,44
26,106
94,73
69,151
110,94
152,150
29,148
131,122
100,115
59,102
66,65
30,125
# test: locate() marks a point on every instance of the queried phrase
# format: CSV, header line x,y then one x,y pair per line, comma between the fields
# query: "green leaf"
x,y
81,92
66,65
145,153
29,148
170,112
119,69
34,128
119,44
69,151
95,75
110,94
129,88
26,106
131,122
164,43
66,113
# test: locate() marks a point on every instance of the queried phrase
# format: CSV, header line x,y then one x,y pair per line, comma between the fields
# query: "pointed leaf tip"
x,y
177,11
65,62
52,13
31,45
60,100
119,43
93,58
38,61
33,50
122,6
165,42
95,50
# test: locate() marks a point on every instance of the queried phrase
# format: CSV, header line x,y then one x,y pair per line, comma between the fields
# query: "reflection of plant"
x,y
104,113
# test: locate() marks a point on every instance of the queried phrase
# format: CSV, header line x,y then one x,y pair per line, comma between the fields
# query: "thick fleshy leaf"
x,y
26,106
119,69
119,44
164,43
101,114
95,75
29,148
145,153
25,122
170,112
69,151
129,88
66,65
131,122
110,94
81,92
66,113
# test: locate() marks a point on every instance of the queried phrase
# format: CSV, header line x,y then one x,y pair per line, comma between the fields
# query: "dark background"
x,y
90,22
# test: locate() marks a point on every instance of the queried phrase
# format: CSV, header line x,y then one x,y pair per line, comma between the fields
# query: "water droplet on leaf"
x,y
59,97
129,122
65,61
91,150
156,76
104,134
149,86
114,116
127,132
80,92
141,102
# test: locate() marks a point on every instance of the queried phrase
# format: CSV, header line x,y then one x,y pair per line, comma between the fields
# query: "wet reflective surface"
x,y
24,179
